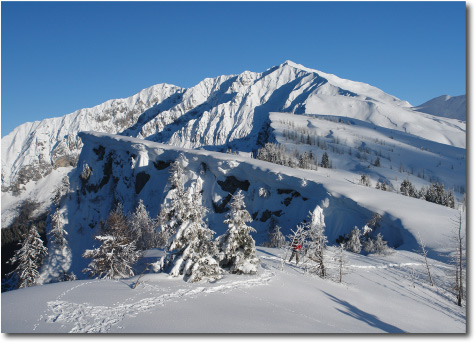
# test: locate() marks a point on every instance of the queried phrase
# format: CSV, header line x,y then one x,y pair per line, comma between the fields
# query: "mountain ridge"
x,y
221,113
447,106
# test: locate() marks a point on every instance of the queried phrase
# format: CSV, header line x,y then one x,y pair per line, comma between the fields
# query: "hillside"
x,y
454,107
128,169
377,296
227,112
293,142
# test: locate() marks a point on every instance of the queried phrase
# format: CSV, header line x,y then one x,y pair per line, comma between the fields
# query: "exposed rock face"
x,y
220,113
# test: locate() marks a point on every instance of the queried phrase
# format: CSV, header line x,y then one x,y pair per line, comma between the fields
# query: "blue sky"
x,y
59,57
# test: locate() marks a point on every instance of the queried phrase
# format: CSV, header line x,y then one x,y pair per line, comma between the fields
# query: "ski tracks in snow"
x,y
88,318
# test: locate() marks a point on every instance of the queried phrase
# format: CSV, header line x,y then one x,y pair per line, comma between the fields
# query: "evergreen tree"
x,y
117,253
407,189
368,245
354,243
237,247
29,258
380,246
57,232
365,180
317,240
142,228
174,212
325,161
192,248
276,238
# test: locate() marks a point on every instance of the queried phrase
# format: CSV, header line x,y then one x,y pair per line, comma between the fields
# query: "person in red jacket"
x,y
296,247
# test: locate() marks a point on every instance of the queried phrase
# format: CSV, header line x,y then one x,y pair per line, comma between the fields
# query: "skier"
x,y
296,247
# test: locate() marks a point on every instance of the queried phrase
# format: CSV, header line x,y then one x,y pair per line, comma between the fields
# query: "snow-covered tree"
x,y
365,180
192,250
237,247
276,238
117,253
368,245
317,240
380,246
57,232
354,243
142,227
174,212
407,189
29,258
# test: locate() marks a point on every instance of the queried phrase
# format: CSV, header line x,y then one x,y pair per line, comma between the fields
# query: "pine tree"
x,y
142,228
368,245
237,247
174,212
380,246
325,161
276,238
317,240
116,255
364,180
29,258
192,249
354,243
57,232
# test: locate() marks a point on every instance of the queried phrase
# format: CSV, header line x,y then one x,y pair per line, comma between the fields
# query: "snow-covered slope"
x,y
127,169
353,146
454,107
377,296
53,143
220,113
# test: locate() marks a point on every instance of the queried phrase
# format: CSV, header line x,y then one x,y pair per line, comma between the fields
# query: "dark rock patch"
x,y
161,165
140,180
231,184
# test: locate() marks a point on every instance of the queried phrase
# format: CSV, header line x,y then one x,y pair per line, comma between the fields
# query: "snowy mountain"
x,y
290,141
126,170
454,107
226,112
282,297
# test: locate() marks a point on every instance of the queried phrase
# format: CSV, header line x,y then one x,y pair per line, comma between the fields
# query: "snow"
x,y
130,146
376,297
40,191
219,113
346,204
454,107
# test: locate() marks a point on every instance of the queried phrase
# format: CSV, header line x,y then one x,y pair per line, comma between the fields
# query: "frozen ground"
x,y
377,296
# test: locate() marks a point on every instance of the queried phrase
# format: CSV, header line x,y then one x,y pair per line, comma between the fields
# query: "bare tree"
x,y
424,254
458,260
341,261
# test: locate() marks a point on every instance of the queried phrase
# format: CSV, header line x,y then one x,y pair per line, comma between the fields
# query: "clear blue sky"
x,y
59,57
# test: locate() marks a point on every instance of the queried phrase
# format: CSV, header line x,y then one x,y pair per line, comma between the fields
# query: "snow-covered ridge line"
x,y
406,216
446,106
345,83
226,112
